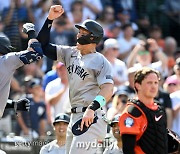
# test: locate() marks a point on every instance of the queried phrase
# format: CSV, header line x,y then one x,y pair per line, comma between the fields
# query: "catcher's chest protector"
x,y
154,138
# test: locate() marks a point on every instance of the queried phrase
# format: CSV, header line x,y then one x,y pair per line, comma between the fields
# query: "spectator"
x,y
75,15
177,53
115,147
119,68
23,37
175,97
173,8
143,26
107,17
2,27
41,13
176,76
33,122
91,9
61,34
142,56
129,86
87,9
170,47
127,42
50,76
118,103
123,16
171,84
125,5
177,69
155,33
57,92
12,15
57,146
114,30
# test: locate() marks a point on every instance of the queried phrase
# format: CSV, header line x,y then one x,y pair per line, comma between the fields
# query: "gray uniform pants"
x,y
87,142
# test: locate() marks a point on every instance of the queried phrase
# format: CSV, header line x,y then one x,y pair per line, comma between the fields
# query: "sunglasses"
x,y
145,52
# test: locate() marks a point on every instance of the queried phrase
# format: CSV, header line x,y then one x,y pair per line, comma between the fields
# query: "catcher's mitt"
x,y
173,142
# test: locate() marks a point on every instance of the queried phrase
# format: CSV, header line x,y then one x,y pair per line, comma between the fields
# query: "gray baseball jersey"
x,y
8,63
86,73
52,148
113,149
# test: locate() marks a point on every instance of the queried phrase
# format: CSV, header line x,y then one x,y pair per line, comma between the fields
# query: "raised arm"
x,y
132,56
44,34
159,55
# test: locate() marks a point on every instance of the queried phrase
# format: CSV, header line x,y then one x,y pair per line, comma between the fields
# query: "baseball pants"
x,y
86,143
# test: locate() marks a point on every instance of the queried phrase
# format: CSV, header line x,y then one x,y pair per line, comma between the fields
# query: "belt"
x,y
78,109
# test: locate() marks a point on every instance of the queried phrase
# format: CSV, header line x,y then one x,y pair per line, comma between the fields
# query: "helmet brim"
x,y
81,26
60,121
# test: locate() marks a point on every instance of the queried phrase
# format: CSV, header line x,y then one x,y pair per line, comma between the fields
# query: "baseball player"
x,y
9,62
115,147
90,81
143,123
57,146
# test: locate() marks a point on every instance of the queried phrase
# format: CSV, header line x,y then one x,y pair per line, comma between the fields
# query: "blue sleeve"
x,y
44,38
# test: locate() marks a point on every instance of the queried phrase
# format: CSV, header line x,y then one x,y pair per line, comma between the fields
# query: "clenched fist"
x,y
55,12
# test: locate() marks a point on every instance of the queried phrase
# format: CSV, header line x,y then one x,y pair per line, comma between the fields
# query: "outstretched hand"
x,y
55,12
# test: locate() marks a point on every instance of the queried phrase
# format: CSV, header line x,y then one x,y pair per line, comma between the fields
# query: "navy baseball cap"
x,y
77,126
34,82
115,119
62,117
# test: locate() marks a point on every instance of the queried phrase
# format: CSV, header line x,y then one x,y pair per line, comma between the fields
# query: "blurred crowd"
x,y
137,33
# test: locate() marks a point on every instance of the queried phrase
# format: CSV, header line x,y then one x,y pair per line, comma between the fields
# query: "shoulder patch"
x,y
129,122
134,111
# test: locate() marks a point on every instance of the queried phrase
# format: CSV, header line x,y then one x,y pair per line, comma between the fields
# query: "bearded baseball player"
x,y
90,81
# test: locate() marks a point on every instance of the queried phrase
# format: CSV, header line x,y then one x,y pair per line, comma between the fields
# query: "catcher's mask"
x,y
95,29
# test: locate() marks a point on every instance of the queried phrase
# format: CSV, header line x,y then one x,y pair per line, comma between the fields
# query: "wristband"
x,y
94,105
101,100
98,102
